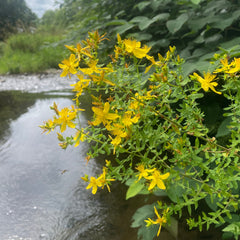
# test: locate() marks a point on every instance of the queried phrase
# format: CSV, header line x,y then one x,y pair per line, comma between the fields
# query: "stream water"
x,y
41,193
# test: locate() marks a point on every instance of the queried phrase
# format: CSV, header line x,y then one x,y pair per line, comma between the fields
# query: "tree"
x,y
14,16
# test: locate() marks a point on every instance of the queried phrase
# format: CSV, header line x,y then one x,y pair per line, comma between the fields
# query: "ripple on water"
x,y
33,188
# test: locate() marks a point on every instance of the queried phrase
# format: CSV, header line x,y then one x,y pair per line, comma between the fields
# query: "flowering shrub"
x,y
150,116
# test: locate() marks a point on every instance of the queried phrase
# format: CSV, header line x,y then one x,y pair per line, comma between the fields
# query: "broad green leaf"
x,y
139,19
196,1
134,189
160,43
145,212
116,22
199,39
213,39
157,3
198,23
173,227
212,202
122,29
141,36
175,192
223,129
225,20
161,17
145,24
143,5
230,44
175,25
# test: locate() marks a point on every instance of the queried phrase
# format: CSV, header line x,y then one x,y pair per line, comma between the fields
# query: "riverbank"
x,y
48,80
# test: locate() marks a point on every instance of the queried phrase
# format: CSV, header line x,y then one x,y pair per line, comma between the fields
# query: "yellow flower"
x,y
102,179
143,172
102,115
225,66
157,179
80,85
207,81
79,137
48,127
79,50
69,66
92,68
119,131
236,64
160,220
128,120
154,63
94,183
101,78
134,47
66,117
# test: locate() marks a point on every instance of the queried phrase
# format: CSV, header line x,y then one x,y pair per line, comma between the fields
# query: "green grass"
x,y
31,53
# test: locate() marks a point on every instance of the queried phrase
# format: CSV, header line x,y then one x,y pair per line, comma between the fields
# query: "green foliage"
x,y
138,222
196,27
30,53
158,123
14,16
53,21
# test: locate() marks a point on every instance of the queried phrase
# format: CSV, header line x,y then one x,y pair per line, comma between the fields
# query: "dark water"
x,y
37,201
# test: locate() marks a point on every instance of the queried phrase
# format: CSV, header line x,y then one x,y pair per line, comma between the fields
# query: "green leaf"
x,y
144,22
160,43
161,17
225,20
143,213
173,227
134,189
175,25
175,192
233,228
139,19
223,129
143,5
141,36
213,39
212,202
196,1
116,22
122,29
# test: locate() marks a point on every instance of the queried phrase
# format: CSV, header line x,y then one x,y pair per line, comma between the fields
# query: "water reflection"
x,y
32,186
38,201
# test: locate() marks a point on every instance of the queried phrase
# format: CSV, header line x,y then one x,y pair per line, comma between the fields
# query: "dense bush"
x,y
196,27
160,127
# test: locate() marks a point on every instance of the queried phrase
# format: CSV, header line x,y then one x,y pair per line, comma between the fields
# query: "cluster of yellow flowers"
x,y
227,68
153,175
101,181
64,118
